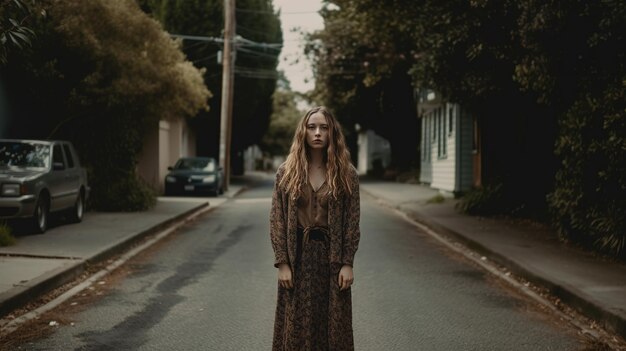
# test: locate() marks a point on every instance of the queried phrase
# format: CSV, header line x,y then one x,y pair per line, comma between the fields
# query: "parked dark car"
x,y
38,178
195,175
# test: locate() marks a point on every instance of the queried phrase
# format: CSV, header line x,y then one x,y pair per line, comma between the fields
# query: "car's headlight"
x,y
170,179
209,179
10,190
204,178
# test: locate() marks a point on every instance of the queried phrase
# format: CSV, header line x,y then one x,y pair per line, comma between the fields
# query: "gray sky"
x,y
302,14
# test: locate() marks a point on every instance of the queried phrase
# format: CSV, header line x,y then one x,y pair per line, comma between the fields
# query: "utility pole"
x,y
228,81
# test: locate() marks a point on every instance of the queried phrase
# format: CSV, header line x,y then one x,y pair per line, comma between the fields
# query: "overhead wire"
x,y
256,73
241,43
196,44
274,13
205,58
256,53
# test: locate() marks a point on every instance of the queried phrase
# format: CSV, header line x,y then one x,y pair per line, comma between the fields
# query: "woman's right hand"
x,y
284,276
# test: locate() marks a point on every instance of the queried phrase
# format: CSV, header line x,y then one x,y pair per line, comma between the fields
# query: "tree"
x,y
575,61
460,49
545,80
15,16
283,123
361,73
255,73
100,73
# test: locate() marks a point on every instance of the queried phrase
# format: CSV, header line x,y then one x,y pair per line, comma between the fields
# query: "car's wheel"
x,y
76,216
42,212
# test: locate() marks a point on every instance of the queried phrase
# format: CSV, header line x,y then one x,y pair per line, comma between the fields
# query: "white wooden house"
x,y
374,152
447,144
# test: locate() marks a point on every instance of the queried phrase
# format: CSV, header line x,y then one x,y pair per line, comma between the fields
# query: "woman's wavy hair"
x,y
337,158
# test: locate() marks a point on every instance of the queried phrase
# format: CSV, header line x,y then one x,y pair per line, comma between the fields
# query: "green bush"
x,y
589,200
6,238
437,199
124,193
487,200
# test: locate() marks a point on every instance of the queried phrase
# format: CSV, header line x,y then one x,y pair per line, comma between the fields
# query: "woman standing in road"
x,y
314,228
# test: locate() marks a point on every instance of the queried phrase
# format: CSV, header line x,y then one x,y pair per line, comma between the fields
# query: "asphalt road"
x,y
212,286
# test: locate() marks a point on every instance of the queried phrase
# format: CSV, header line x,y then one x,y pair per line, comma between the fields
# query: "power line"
x,y
239,41
249,72
256,53
197,37
204,58
255,70
274,13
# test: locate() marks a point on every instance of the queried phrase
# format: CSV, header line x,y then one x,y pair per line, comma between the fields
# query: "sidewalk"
x,y
594,287
38,264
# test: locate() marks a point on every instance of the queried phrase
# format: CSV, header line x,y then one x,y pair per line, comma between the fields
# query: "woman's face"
x,y
317,133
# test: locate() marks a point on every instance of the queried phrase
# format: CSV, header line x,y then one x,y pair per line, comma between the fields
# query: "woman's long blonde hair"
x,y
337,158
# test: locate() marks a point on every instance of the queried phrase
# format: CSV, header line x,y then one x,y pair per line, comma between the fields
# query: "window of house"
x,y
430,138
450,120
441,133
427,135
424,136
433,122
441,139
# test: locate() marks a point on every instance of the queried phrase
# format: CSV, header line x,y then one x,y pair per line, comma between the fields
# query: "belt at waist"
x,y
313,233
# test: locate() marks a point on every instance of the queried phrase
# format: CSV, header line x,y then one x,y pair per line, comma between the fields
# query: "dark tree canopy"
x,y
15,19
100,73
544,79
362,77
255,75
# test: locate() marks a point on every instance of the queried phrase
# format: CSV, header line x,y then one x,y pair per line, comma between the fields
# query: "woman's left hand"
x,y
346,277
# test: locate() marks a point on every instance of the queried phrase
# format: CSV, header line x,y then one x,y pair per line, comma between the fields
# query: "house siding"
x,y
444,153
426,169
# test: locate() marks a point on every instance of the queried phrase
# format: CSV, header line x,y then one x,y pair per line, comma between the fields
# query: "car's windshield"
x,y
196,164
24,155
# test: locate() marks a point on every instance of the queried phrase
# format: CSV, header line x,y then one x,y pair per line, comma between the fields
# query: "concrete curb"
x,y
129,241
569,295
20,296
239,191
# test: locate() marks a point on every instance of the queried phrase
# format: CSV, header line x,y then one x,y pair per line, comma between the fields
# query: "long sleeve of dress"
x,y
278,225
352,233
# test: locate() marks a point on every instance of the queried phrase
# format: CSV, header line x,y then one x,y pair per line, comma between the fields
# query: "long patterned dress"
x,y
315,315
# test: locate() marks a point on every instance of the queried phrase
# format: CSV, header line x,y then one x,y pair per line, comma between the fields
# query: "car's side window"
x,y
58,163
68,155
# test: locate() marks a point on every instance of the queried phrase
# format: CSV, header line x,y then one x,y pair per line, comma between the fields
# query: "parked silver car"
x,y
38,178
